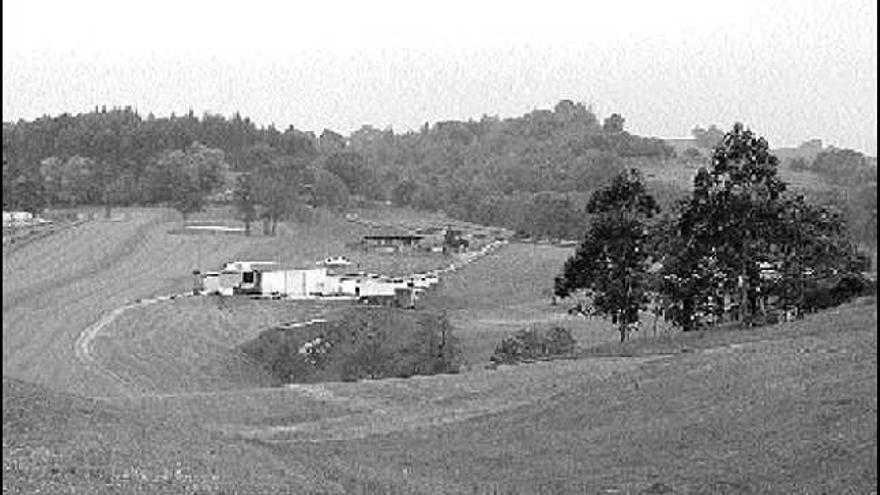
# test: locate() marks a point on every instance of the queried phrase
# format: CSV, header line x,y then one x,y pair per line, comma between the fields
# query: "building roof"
x,y
399,237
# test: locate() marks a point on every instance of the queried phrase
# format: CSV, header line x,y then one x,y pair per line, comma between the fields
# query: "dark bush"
x,y
533,343
836,290
362,342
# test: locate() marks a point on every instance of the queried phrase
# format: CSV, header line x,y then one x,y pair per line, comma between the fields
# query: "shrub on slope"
x,y
359,343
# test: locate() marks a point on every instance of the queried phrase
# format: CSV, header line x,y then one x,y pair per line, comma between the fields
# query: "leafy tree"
x,y
613,123
191,175
353,170
245,200
331,142
72,182
278,185
329,190
550,215
404,192
23,192
612,262
732,219
52,171
256,156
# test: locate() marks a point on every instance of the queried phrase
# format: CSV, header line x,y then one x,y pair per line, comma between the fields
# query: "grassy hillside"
x,y
190,344
784,409
681,174
510,290
793,412
60,443
60,284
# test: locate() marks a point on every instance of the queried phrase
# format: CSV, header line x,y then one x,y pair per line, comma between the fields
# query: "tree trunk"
x,y
687,313
654,326
247,228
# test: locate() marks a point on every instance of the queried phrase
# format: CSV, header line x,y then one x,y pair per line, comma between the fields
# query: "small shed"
x,y
391,241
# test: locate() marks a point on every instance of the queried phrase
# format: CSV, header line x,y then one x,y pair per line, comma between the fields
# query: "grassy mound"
x,y
359,343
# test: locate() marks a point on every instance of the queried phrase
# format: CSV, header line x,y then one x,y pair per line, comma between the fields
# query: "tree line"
x,y
531,173
738,246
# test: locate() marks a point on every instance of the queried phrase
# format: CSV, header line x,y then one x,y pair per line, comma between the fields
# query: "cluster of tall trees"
x,y
532,173
118,157
739,241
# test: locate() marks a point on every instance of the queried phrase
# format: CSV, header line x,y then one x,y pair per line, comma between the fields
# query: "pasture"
x,y
682,175
512,289
189,345
62,283
783,409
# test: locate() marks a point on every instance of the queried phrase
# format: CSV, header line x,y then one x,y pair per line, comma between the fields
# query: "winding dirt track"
x,y
65,289
65,283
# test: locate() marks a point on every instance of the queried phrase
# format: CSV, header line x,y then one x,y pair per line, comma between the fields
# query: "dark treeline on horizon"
x,y
532,173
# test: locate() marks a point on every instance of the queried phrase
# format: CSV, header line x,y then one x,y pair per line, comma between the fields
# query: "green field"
x,y
62,283
784,409
510,290
682,175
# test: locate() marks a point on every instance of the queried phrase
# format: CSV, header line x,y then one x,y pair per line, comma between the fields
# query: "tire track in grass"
x,y
86,337
83,344
376,415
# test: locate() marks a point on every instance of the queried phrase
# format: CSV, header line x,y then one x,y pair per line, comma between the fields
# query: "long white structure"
x,y
297,283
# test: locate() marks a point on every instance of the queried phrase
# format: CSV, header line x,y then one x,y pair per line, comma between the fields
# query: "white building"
x,y
295,283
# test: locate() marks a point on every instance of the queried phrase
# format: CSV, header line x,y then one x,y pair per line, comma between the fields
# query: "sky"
x,y
789,70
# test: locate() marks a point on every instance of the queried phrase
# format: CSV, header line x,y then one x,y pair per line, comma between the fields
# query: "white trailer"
x,y
373,287
300,283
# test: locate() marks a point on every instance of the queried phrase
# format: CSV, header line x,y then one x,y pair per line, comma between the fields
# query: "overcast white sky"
x,y
790,70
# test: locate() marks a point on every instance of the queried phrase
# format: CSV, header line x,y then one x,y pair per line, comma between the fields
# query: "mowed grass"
x,y
789,409
784,409
512,289
60,443
58,285
682,176
190,345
